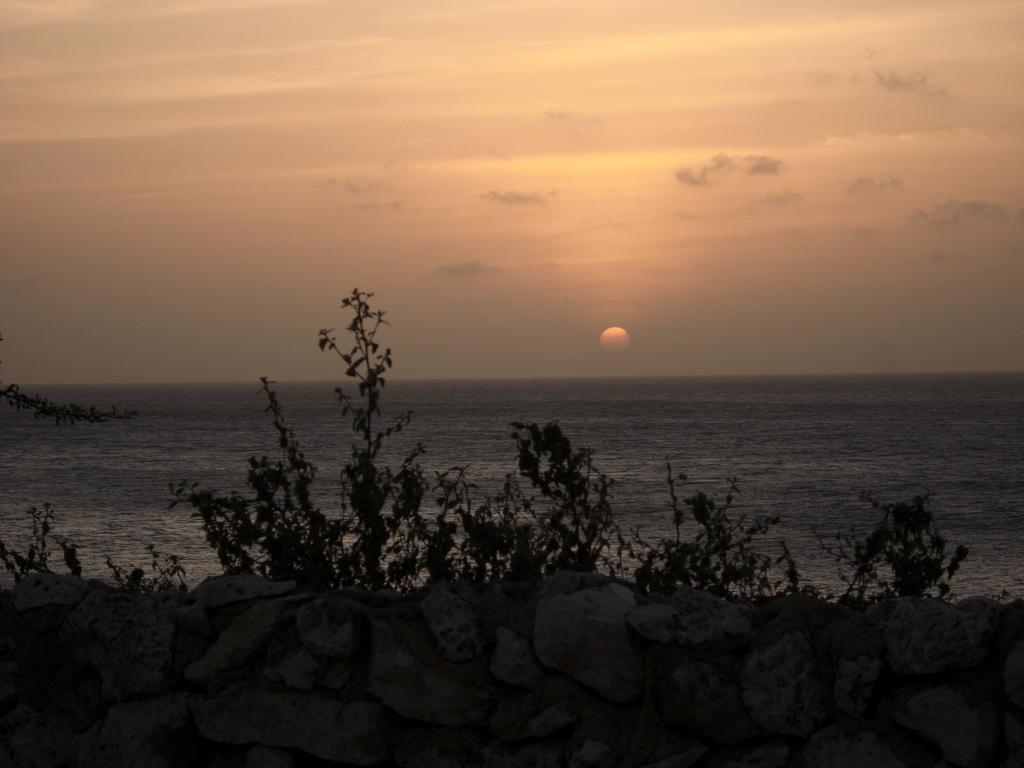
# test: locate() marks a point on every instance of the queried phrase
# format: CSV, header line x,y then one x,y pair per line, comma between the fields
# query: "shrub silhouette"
x,y
36,558
577,531
61,413
397,529
721,557
904,556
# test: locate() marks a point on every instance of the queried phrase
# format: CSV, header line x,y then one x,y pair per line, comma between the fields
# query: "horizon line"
x,y
470,379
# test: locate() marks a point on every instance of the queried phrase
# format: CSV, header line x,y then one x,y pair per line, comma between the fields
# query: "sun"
x,y
615,339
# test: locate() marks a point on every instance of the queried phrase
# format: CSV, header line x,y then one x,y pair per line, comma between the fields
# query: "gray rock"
x,y
924,637
695,619
453,624
143,734
1013,733
584,634
260,756
406,678
966,733
128,639
782,687
327,627
683,758
8,685
567,582
513,660
1013,674
592,754
704,698
832,747
551,720
34,739
772,755
297,669
194,618
855,679
541,755
243,637
218,591
343,731
41,589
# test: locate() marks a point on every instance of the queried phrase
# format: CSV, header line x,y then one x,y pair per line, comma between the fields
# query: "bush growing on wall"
x,y
398,529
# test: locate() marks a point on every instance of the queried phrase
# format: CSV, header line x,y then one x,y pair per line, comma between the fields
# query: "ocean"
x,y
803,448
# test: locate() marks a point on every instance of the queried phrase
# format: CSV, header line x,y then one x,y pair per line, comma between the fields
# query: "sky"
x,y
188,188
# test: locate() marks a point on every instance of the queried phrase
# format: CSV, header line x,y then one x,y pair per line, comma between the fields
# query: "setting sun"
x,y
615,338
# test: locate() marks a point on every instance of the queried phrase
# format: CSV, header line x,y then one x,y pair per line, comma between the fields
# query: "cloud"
x,y
394,205
511,197
781,199
873,185
958,213
911,82
464,269
562,116
722,165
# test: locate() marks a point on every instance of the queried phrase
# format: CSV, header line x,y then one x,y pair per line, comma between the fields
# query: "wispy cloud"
x,y
910,82
563,116
780,199
464,269
958,213
722,165
395,206
512,197
873,185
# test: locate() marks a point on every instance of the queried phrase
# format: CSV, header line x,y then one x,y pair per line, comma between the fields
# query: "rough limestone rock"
x,y
683,758
782,687
593,754
924,637
8,685
328,728
33,739
1013,734
584,634
406,677
155,733
966,734
704,698
1013,674
128,639
243,637
772,755
551,720
695,619
41,589
541,755
513,660
298,669
260,756
217,591
327,627
855,679
832,747
453,623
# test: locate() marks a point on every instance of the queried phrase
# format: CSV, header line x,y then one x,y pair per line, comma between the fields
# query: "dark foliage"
x,y
61,413
277,532
721,556
36,559
577,530
903,556
166,574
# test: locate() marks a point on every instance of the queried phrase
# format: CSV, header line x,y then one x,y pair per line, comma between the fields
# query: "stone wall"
x,y
578,672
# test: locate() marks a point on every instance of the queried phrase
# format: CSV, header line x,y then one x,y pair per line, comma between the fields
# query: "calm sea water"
x,y
803,448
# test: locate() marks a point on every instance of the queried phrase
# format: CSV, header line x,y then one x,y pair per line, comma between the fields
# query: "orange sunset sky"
x,y
189,187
